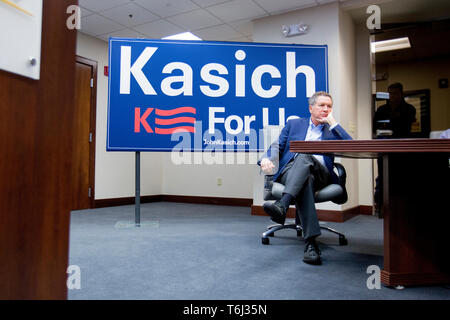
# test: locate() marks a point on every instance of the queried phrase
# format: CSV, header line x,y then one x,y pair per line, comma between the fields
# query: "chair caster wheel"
x,y
299,233
342,241
265,241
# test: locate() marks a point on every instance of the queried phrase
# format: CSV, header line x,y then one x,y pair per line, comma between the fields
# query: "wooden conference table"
x,y
416,202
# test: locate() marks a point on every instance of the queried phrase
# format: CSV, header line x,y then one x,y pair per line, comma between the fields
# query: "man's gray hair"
x,y
312,100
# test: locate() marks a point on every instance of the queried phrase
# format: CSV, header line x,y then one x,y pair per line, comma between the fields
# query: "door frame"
x,y
93,123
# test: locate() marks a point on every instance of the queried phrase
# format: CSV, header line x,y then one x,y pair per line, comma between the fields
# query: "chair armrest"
x,y
272,190
332,192
342,179
341,174
268,183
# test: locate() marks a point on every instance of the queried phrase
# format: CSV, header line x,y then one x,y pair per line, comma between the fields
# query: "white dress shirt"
x,y
314,133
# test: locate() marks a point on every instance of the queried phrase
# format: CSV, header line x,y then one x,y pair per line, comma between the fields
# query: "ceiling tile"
x,y
122,13
219,33
195,20
208,3
167,8
285,5
96,25
85,12
158,29
237,10
125,33
100,5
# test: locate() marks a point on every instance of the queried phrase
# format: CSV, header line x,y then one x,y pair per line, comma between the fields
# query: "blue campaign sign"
x,y
167,95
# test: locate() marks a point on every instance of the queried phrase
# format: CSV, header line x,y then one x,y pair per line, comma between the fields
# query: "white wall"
x,y
324,25
364,112
202,179
348,107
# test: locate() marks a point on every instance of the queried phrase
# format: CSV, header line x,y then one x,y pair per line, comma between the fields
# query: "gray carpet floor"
x,y
203,252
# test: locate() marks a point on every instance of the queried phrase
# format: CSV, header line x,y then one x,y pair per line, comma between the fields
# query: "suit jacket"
x,y
295,130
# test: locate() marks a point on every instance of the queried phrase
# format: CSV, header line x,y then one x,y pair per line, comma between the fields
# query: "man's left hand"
x,y
329,119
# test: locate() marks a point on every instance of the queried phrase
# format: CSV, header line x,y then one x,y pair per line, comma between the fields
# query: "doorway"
x,y
419,65
84,117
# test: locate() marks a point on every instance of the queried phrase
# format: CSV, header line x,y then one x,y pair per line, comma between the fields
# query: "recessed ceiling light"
x,y
182,36
388,45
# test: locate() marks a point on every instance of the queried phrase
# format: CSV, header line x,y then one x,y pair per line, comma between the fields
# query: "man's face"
x,y
395,96
320,110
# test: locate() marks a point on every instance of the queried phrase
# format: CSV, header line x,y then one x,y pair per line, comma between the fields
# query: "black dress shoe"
x,y
312,254
276,211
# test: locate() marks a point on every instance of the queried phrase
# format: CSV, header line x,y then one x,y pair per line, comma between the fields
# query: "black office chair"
x,y
333,192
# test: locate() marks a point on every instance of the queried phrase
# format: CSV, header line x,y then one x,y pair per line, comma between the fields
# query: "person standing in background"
x,y
397,116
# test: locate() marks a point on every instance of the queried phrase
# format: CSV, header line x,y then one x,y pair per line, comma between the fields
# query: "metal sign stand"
x,y
137,209
137,204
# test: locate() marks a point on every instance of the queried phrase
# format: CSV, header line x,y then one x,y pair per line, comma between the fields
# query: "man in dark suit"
x,y
303,173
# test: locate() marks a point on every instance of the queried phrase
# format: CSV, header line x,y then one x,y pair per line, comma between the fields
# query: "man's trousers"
x,y
301,177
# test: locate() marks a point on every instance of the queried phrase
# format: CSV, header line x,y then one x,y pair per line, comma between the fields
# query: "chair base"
x,y
275,227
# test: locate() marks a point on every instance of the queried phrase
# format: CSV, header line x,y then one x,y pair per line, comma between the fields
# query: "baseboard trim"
x,y
323,215
114,202
366,210
236,202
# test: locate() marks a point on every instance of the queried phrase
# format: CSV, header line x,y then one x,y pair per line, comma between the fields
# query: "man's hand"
x,y
267,166
329,119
